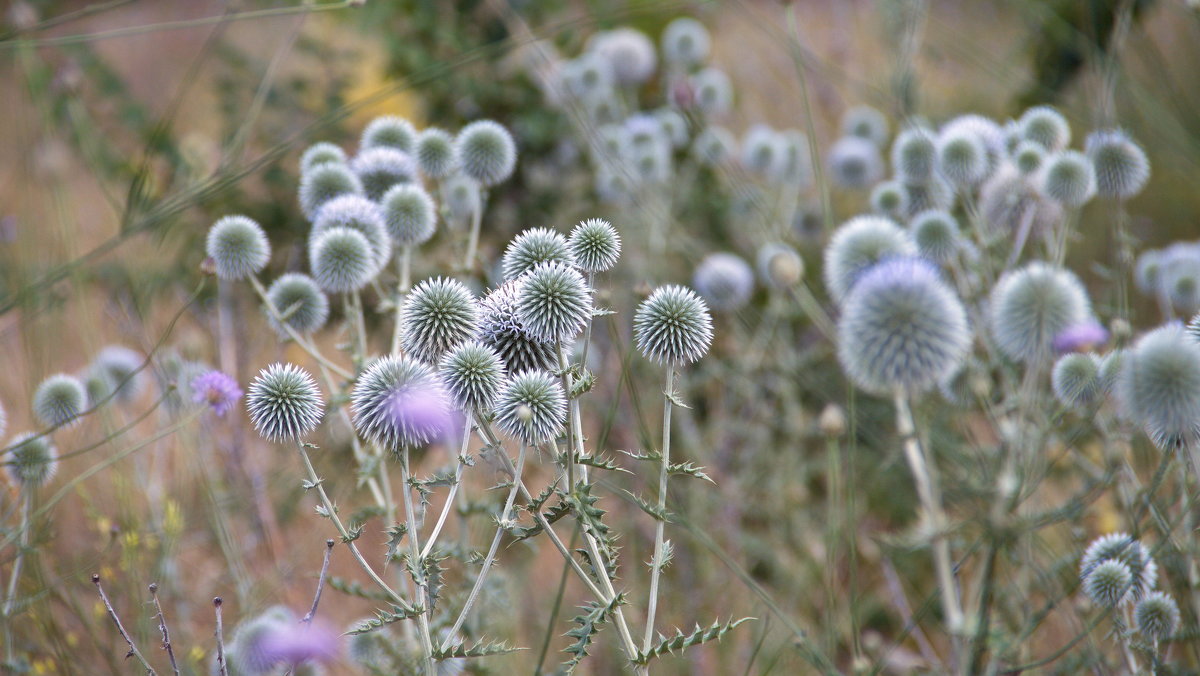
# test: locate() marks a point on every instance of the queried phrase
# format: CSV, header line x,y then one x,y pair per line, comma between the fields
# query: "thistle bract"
x,y
531,407
501,329
595,245
1159,386
389,131
342,260
858,244
673,326
59,400
554,302
1032,305
284,403
486,152
409,214
324,182
532,247
238,247
399,403
379,168
472,373
438,314
724,280
435,153
299,302
32,460
1121,166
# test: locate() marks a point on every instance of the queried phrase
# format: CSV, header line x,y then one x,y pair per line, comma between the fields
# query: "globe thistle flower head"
x,y
357,213
673,125
554,302
461,196
914,155
797,161
1028,157
936,235
486,152
324,182
472,374
594,245
1159,387
1108,583
724,281
1068,178
961,156
321,153
534,246
605,108
652,164
673,326
1076,380
1082,337
858,244
1008,198
613,187
685,42
31,461
644,131
531,406
1030,306
300,303
1110,370
934,194
1124,549
216,390
1045,126
342,260
1122,167
439,314
902,327
1146,271
889,198
760,151
1157,616
284,403
588,76
435,152
389,131
379,168
59,400
630,54
779,266
238,247
118,370
409,214
174,376
1179,276
399,403
713,92
501,329
854,162
867,123
990,134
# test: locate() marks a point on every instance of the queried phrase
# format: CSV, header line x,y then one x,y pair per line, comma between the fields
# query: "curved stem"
x,y
449,504
660,525
403,269
299,340
414,550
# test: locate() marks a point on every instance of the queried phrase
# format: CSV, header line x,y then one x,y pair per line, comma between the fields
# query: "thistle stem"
x,y
403,269
449,504
416,564
320,583
11,596
133,651
299,340
660,525
219,634
162,628
473,238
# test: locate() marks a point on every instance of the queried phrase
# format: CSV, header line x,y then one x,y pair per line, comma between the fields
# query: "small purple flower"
x,y
217,390
300,643
1081,337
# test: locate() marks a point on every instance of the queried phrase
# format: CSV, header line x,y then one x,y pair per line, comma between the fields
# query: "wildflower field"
x,y
399,337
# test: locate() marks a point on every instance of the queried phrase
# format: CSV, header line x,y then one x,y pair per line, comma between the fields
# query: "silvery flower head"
x,y
644,131
594,245
399,403
461,196
674,126
534,246
902,327
779,266
59,400
284,403
652,164
713,92
1157,616
1008,199
673,326
472,374
962,156
436,154
357,213
1108,583
439,314
299,302
628,51
890,198
867,123
797,159
935,193
501,329
554,302
914,155
32,460
854,162
321,153
1028,157
342,260
1133,554
685,42
1067,177
761,152
486,152
379,168
587,76
409,214
1075,380
324,182
1032,305
1046,127
238,247
1159,386
991,134
1122,167
1179,276
725,281
117,369
389,131
531,407
858,244
936,234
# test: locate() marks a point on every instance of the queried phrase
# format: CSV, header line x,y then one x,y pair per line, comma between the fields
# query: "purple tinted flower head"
x,y
300,643
399,403
1081,337
217,390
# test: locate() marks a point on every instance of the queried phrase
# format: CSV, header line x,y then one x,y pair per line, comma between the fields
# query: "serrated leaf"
x,y
582,384
653,510
555,513
480,648
680,641
653,456
601,462
395,537
688,469
595,615
352,588
384,617
673,397
668,553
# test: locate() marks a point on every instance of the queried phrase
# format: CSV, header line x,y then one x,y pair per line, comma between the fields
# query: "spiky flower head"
x,y
935,193
1179,276
1031,305
321,153
460,196
854,162
342,260
59,400
531,407
858,244
1045,126
554,302
299,301
779,266
501,329
961,156
644,130
238,247
1131,553
409,214
1157,616
1108,583
724,281
1076,380
587,77
797,159
936,234
472,374
399,403
217,390
1008,198
1110,369
595,245
628,51
389,131
989,133
486,152
324,182
380,168
117,369
652,164
1028,157
867,123
1068,178
1159,387
32,460
439,314
674,126
902,327
1121,165
914,155
284,403
713,92
890,198
357,213
534,246
435,153
685,41
673,326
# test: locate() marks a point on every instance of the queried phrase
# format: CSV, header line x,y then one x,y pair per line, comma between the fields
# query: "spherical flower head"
x,y
535,246
32,460
628,51
1108,583
858,244
301,644
1008,198
797,160
962,157
713,92
652,164
59,400
389,131
605,108
673,326
674,126
724,281
486,152
1031,305
588,76
685,42
284,403
914,155
1122,167
554,302
460,196
175,376
779,266
1110,370
238,247
531,407
321,153
992,135
1028,157
644,130
472,374
439,314
1076,380
1067,177
298,299
867,123
380,168
889,198
435,153
1124,549
357,213
399,403
1159,387
594,245
409,214
1157,616
936,235
854,162
216,390
936,193
117,369
902,327
325,182
1179,276
501,329
1146,271
342,260
1045,126
1082,337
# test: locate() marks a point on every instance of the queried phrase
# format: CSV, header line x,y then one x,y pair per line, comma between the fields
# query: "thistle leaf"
x,y
680,641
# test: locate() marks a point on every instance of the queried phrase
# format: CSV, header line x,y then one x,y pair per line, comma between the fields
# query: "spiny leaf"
x,y
652,456
352,588
601,462
583,384
595,615
668,553
688,469
673,397
681,641
555,513
395,537
480,648
653,510
383,617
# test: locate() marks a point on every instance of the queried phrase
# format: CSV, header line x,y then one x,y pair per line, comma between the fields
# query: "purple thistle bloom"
x,y
300,643
217,390
1081,337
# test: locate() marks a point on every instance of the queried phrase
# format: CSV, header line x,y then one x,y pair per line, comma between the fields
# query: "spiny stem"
x,y
219,633
416,562
162,628
320,582
449,504
660,525
133,651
